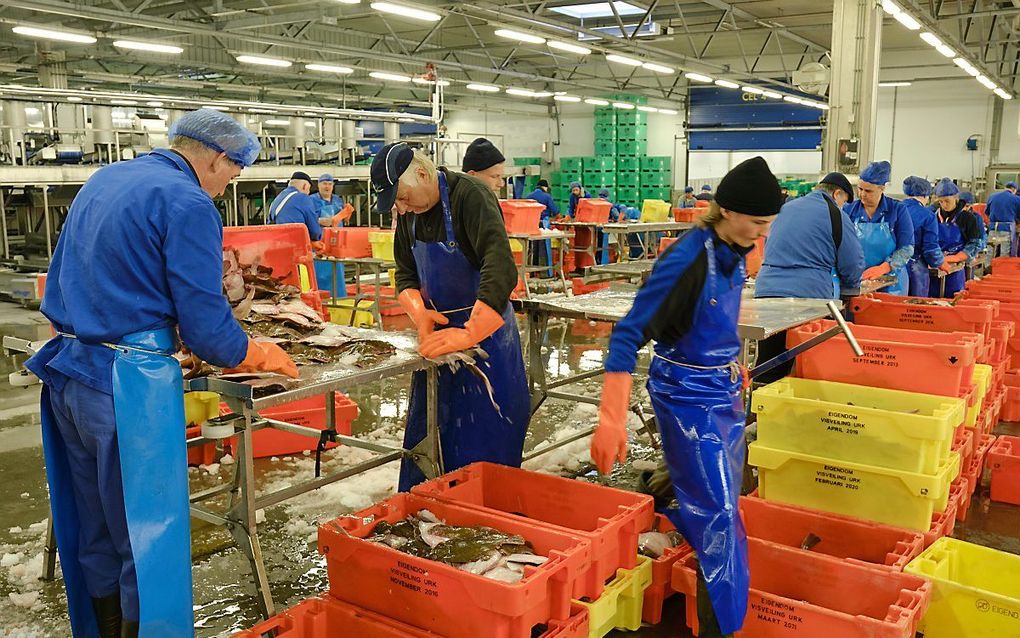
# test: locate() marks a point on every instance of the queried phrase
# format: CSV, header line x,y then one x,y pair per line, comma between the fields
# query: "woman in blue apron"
x,y
887,235
927,252
448,309
960,237
690,307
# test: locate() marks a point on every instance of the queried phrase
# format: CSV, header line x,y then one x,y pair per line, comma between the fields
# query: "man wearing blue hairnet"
x,y
927,251
960,237
1003,211
688,200
138,268
886,234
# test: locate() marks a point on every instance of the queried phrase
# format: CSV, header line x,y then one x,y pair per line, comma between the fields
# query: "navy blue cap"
x,y
301,175
387,167
689,189
840,181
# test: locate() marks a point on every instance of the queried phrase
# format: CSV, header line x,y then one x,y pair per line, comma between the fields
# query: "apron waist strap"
x,y
164,335
732,366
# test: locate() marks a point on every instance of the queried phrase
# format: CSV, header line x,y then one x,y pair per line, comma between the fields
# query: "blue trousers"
x,y
85,419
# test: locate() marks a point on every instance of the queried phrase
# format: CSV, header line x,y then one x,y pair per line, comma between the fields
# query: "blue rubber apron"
x,y
951,242
328,209
471,428
919,277
148,399
878,243
1007,227
695,390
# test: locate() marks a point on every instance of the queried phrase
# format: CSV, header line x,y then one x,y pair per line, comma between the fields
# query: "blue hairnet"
x,y
574,185
219,132
604,193
689,189
915,186
1011,185
967,197
877,173
946,188
706,187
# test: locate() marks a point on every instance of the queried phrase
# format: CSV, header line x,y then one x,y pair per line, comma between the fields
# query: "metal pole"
x,y
3,225
46,218
237,209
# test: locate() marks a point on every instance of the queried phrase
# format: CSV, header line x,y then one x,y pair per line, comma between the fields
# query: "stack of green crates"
x,y
656,178
599,173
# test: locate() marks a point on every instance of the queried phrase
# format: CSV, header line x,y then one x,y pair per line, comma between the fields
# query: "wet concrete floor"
x,y
224,597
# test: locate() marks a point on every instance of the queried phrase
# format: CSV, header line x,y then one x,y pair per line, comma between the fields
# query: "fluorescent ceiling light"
x,y
261,61
963,63
946,51
509,34
598,10
406,120
277,122
430,82
74,98
988,84
260,110
311,124
752,89
32,110
147,46
569,48
790,98
50,34
594,101
627,106
329,68
668,112
391,77
520,92
349,1
648,109
124,102
1003,94
931,39
772,94
543,94
697,77
727,84
890,7
622,59
566,98
658,68
820,105
484,88
215,107
889,85
406,12
907,20
154,104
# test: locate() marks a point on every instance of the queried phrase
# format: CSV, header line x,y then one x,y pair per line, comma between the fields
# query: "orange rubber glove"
x,y
877,271
484,321
946,267
609,444
266,357
344,214
319,246
423,318
957,258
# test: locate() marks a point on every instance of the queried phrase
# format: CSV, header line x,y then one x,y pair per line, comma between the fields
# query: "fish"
x,y
242,309
654,544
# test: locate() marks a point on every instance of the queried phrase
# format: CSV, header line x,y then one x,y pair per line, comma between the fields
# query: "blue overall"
x,y
133,443
471,428
951,241
927,253
695,387
879,241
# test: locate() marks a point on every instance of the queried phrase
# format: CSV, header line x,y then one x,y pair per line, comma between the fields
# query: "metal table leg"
x,y
428,454
538,325
49,553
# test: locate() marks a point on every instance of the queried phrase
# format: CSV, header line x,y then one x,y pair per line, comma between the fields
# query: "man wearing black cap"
x,y
689,307
484,161
294,206
455,273
812,251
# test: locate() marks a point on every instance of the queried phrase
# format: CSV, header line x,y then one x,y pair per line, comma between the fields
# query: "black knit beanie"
x,y
750,188
480,155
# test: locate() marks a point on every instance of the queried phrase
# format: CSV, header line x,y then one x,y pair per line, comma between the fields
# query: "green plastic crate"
x,y
624,164
560,192
571,164
661,192
628,178
632,132
605,115
627,195
605,148
594,191
635,116
601,163
656,178
530,183
653,163
527,161
599,180
605,132
632,148
633,99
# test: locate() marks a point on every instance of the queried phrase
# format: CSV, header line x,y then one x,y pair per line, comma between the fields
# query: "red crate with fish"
x,y
1003,463
470,572
895,359
663,556
795,593
610,518
310,413
921,313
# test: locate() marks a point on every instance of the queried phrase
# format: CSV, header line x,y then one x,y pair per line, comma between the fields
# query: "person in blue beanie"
x,y
959,237
886,234
927,251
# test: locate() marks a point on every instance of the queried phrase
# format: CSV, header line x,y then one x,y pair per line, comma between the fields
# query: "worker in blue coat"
x,y
689,307
802,258
927,252
138,267
968,205
294,205
1003,210
959,237
577,193
705,194
333,212
688,200
542,196
886,235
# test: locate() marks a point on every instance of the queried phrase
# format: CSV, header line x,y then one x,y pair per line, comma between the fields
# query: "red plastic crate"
x,y
701,203
662,572
968,315
1003,462
961,492
795,593
843,537
349,241
578,286
1011,406
982,446
687,214
521,215
1002,332
895,359
943,523
609,518
665,243
1006,266
199,454
963,443
311,413
447,600
595,211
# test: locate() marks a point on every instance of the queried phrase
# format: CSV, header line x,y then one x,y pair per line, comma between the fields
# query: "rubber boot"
x,y
708,625
129,629
108,616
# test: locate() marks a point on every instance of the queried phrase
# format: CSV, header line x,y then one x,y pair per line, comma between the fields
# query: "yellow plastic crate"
x,y
655,210
199,407
983,380
382,245
340,311
619,606
901,499
975,590
886,428
393,278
